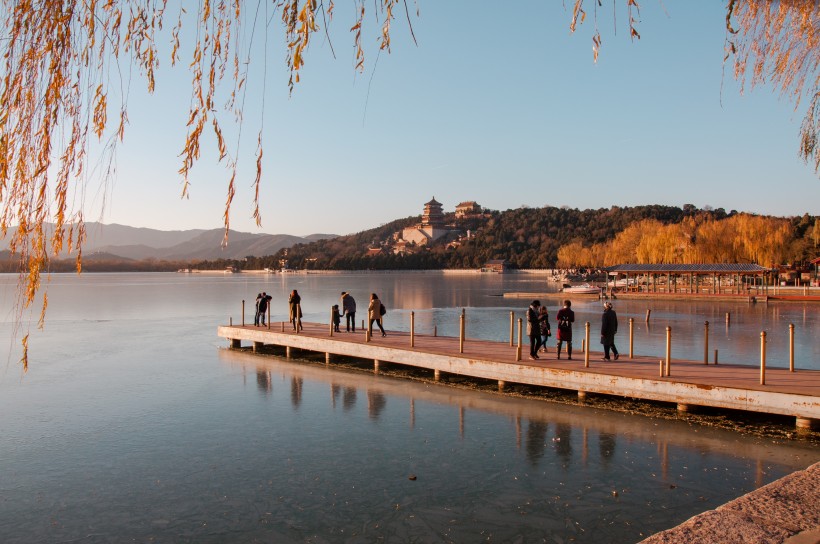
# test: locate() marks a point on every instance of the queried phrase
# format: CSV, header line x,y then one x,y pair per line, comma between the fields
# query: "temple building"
x,y
431,227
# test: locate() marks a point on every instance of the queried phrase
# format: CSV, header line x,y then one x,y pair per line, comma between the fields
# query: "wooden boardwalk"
x,y
689,383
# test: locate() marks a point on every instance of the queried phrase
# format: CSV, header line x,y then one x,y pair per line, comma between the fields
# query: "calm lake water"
x,y
135,424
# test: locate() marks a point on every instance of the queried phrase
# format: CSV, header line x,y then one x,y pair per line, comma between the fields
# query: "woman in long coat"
x,y
374,313
295,309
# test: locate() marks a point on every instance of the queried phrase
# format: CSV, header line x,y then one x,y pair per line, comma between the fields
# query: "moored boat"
x,y
583,289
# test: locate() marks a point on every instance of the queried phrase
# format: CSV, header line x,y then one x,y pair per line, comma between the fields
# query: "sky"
x,y
505,108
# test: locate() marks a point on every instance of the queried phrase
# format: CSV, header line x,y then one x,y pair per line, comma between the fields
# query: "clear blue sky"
x,y
505,108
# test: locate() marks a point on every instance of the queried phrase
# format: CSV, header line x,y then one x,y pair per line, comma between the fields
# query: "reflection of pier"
x,y
688,384
531,419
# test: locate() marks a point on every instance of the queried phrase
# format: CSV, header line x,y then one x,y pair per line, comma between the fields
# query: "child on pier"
x,y
337,318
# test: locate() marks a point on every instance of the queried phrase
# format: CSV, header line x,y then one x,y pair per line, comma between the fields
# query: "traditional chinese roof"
x,y
433,203
706,268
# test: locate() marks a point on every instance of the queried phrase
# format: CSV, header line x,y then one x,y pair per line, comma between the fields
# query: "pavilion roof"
x,y
705,268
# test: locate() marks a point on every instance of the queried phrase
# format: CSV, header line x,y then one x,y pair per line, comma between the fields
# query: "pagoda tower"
x,y
433,215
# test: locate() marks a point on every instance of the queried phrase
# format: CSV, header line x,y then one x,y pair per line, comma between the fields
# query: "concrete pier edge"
x,y
784,511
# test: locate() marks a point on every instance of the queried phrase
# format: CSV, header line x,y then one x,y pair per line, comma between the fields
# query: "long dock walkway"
x,y
688,383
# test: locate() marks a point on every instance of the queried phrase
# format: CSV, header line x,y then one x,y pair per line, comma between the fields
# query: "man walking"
x,y
565,318
349,309
609,326
263,307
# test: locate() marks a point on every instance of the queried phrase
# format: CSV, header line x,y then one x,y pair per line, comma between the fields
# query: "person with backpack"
x,y
565,318
375,311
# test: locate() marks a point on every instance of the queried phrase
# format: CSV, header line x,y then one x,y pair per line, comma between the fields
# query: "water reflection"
x,y
648,457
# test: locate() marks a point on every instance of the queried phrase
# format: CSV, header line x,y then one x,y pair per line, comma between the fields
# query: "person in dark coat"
x,y
349,310
262,307
544,325
565,318
609,326
337,317
534,328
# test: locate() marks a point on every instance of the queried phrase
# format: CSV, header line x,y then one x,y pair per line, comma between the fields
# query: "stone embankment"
x,y
786,511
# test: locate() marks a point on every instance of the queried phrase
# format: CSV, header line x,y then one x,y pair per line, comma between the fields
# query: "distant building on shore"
x,y
467,209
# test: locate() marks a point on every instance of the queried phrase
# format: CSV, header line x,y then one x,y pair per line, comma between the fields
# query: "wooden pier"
x,y
688,384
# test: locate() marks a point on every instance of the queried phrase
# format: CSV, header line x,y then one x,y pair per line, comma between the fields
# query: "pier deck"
x,y
689,383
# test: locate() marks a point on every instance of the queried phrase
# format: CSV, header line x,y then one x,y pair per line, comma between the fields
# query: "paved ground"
x,y
786,511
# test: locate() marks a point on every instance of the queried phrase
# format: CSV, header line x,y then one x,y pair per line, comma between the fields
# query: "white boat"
x,y
583,289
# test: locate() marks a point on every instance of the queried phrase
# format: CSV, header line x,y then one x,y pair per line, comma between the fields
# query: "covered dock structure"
x,y
707,279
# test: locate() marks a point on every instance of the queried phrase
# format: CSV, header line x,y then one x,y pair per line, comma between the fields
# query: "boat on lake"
x,y
583,289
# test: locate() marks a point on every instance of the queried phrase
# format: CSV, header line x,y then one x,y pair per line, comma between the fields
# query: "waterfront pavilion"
x,y
710,279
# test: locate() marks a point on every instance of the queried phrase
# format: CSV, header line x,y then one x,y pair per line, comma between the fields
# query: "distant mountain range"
x,y
132,243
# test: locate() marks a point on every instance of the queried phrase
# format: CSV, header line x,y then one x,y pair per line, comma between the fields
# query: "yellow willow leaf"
x,y
24,358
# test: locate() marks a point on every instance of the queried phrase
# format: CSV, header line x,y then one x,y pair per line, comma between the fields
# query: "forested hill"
x,y
525,237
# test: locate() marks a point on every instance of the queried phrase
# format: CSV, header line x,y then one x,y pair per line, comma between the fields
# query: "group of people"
x,y
539,330
375,311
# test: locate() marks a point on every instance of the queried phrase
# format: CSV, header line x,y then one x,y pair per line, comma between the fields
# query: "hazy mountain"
x,y
187,245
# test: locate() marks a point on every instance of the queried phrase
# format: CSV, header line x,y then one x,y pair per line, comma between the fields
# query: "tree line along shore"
x,y
525,238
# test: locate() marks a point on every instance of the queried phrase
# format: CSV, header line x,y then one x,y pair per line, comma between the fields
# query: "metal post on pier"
x,y
586,351
331,321
668,351
631,336
706,343
297,318
512,320
648,313
461,332
716,353
520,330
412,329
791,347
243,312
762,357
728,319
268,315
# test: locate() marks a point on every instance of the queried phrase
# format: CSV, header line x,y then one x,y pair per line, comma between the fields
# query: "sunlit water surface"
x,y
134,423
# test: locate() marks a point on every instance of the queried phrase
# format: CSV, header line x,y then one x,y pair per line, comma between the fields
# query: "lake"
x,y
135,423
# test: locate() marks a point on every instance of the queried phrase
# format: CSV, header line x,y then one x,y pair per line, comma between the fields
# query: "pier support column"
x,y
287,352
437,375
582,396
375,366
236,343
327,357
807,423
501,385
257,346
686,408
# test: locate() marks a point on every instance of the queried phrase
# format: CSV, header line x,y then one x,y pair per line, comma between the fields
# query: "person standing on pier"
x,y
349,309
295,307
565,318
375,311
256,315
262,307
609,326
544,326
534,328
